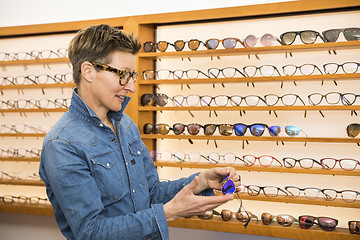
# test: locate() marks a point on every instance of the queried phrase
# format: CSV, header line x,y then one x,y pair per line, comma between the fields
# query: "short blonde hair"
x,y
96,44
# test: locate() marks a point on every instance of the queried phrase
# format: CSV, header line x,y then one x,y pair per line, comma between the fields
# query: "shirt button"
x,y
133,191
101,125
108,165
127,163
138,152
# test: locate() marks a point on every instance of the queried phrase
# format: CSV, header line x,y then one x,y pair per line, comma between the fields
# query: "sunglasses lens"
x,y
226,215
178,128
148,46
250,41
209,129
162,129
327,224
229,43
306,222
212,43
352,34
274,130
145,99
228,187
267,40
353,130
257,130
161,100
240,129
331,35
206,215
354,227
288,38
226,129
179,45
292,131
148,128
243,217
285,220
194,129
308,36
266,218
162,46
194,44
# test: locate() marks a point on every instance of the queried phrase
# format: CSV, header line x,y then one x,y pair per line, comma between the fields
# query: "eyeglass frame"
x,y
122,73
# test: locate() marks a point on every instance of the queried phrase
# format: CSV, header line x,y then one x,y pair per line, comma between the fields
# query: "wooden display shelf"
x,y
254,108
257,228
257,168
34,61
27,86
43,110
20,159
40,209
22,182
319,201
255,50
251,138
323,77
22,135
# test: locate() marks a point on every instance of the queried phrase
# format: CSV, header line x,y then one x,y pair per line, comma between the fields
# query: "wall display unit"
x,y
265,89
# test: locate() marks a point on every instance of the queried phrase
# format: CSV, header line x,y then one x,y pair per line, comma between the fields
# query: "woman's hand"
x,y
211,178
187,203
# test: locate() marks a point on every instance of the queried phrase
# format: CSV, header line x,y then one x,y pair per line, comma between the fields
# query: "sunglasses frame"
x,y
317,223
317,34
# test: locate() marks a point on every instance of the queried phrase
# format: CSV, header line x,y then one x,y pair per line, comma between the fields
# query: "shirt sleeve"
x,y
77,200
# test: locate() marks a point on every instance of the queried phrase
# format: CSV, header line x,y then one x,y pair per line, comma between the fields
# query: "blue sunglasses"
x,y
229,188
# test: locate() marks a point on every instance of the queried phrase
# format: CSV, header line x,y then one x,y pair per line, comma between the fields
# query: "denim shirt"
x,y
101,186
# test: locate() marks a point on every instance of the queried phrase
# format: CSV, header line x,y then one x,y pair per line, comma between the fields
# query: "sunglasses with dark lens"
x,y
161,46
265,70
256,129
350,34
228,187
264,160
309,192
305,163
307,37
354,227
269,191
325,223
193,128
347,164
347,67
346,195
124,75
305,69
228,72
224,129
283,220
193,44
333,98
287,99
228,43
159,99
353,130
159,128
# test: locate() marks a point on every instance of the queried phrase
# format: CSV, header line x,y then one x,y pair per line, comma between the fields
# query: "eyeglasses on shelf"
x,y
306,36
350,34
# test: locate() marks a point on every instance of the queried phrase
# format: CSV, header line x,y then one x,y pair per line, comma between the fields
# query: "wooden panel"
x,y
257,228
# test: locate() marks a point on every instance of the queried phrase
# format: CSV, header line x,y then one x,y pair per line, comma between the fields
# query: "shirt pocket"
x,y
107,175
136,152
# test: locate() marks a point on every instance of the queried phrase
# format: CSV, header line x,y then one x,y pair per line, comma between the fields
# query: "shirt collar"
x,y
79,104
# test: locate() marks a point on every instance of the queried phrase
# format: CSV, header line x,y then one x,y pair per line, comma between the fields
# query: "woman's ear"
x,y
87,71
